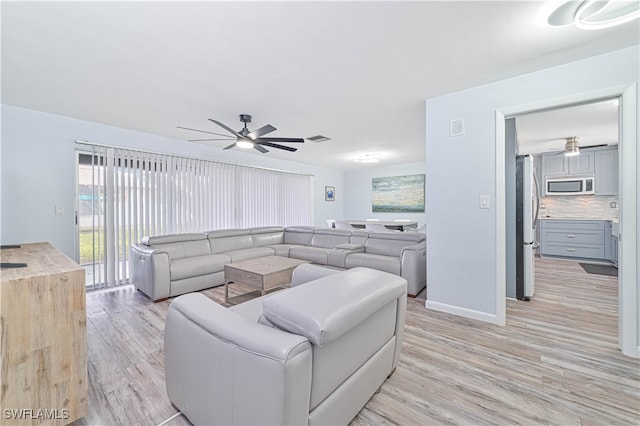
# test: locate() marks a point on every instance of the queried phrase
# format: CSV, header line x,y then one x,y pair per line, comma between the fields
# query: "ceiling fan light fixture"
x,y
244,144
571,147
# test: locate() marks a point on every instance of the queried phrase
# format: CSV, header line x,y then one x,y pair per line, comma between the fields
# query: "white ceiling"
x,y
594,124
357,72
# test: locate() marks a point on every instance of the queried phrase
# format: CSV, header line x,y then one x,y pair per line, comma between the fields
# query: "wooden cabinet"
x,y
584,239
44,338
606,172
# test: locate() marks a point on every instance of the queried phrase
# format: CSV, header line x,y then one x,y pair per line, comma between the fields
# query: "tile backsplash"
x,y
580,206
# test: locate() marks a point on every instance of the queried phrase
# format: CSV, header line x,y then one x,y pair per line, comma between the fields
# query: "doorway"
x,y
627,289
580,222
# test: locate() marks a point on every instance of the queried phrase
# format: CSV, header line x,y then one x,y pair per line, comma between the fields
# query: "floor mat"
x,y
600,269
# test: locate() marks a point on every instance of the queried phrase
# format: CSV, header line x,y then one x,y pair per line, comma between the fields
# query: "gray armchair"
x,y
316,355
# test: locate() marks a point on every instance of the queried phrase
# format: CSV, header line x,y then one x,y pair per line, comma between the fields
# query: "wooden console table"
x,y
43,349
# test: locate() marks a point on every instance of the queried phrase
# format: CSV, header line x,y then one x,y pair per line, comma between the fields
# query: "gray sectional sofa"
x,y
170,265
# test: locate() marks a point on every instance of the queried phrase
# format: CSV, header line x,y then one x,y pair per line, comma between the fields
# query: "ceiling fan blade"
x,y
201,131
289,140
259,148
261,131
203,140
228,129
230,146
275,145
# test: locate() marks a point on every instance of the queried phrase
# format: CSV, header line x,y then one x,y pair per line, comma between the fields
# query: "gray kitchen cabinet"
x,y
611,243
614,250
557,164
606,172
553,165
581,239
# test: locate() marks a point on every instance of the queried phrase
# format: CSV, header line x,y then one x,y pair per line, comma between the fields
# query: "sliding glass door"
x,y
124,195
90,220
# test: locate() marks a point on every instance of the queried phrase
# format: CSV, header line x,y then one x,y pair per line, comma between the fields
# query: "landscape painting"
x,y
398,194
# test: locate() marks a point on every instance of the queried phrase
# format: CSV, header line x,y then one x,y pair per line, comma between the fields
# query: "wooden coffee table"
x,y
262,273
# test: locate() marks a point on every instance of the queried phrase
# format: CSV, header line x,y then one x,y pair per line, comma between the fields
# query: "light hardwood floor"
x,y
555,362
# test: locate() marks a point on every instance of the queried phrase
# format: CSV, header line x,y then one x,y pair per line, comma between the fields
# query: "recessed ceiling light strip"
x,y
584,14
582,21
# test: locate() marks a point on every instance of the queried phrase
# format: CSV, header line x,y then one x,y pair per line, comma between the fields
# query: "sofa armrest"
x,y
338,255
413,267
218,365
421,246
323,310
150,271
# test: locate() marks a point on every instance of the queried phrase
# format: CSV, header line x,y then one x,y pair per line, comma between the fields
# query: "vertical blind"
x,y
130,194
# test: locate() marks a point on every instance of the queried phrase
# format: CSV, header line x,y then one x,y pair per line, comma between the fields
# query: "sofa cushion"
x,y
389,264
198,265
314,254
308,272
267,235
230,239
283,249
173,238
391,243
249,253
359,236
300,235
329,238
325,309
181,245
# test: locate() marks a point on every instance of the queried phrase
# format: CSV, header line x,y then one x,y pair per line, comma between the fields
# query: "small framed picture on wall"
x,y
329,193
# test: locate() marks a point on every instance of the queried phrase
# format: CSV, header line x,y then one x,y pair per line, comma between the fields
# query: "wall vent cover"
x,y
319,138
456,127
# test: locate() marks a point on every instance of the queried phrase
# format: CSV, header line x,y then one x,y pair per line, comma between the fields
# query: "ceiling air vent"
x,y
456,127
319,138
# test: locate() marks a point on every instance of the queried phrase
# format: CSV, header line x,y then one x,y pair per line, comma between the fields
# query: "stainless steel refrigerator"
x,y
527,210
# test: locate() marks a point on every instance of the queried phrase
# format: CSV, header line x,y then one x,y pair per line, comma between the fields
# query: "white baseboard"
x,y
462,312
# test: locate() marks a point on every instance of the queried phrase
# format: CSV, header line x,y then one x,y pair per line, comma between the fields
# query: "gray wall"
x,y
358,192
39,162
461,238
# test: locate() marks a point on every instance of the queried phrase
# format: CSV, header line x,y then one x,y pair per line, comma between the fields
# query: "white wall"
x,y
358,192
463,251
38,172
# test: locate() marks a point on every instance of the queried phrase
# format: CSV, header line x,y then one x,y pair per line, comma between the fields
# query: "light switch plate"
x,y
485,201
59,211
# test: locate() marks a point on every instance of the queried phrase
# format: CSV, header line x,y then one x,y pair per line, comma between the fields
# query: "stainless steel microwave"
x,y
570,185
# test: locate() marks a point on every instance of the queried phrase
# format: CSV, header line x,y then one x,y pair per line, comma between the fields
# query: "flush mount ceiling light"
x,y
371,157
571,147
594,14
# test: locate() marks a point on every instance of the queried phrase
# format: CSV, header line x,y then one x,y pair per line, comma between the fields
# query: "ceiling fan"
x,y
249,139
572,147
